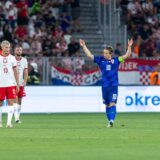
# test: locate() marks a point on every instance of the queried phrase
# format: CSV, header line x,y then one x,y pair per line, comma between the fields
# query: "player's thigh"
x,y
11,92
21,92
105,95
113,94
2,93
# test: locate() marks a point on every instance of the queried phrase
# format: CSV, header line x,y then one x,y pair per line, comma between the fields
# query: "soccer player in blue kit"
x,y
109,67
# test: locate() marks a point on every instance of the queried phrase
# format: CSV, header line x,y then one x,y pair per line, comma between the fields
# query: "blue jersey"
x,y
109,69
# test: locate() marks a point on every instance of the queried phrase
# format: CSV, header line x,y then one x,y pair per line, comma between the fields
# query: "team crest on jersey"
x,y
4,60
112,61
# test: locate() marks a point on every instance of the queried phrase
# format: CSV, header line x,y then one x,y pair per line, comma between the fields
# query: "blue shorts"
x,y
110,94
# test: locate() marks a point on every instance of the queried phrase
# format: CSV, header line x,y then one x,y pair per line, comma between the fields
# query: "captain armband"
x,y
121,59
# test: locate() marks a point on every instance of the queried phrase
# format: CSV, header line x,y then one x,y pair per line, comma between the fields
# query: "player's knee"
x,y
10,102
1,102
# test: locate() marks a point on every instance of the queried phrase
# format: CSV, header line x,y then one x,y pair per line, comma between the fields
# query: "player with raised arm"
x,y
109,67
22,69
8,74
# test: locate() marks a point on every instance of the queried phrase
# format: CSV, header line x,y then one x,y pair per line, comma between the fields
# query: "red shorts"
x,y
21,92
7,93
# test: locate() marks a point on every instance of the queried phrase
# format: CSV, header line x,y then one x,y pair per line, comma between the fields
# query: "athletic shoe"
x,y
110,124
18,121
9,126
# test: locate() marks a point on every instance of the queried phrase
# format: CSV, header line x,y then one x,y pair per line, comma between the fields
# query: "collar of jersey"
x,y
5,55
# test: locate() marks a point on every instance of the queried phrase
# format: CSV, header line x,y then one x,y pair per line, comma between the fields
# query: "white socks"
x,y
10,115
16,112
19,111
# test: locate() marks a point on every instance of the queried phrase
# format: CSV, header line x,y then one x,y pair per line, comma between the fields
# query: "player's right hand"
x,y
82,42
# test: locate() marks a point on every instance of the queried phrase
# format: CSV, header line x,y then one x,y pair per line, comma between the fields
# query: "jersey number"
x,y
5,70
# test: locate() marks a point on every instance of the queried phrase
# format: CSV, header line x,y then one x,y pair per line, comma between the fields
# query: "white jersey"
x,y
7,63
22,64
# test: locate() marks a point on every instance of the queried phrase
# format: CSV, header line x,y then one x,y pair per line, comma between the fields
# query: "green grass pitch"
x,y
82,137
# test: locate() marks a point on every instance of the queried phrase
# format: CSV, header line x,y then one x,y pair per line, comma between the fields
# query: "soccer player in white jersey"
x,y
22,69
8,74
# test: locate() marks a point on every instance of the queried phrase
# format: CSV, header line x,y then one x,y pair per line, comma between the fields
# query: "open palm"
x,y
130,42
82,42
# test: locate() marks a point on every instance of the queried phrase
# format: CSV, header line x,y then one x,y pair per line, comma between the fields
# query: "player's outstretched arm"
x,y
129,50
85,49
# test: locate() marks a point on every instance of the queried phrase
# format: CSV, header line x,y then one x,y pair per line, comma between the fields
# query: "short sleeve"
x,y
97,60
14,62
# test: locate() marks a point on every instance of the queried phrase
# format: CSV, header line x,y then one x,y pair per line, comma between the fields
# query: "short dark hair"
x,y
110,49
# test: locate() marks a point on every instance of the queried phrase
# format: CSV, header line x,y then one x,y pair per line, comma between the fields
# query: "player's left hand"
x,y
130,42
24,83
82,42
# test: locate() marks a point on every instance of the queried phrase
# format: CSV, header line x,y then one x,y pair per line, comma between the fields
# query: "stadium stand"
x,y
52,29
143,22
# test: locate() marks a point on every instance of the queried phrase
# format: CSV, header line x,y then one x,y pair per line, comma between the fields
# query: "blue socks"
x,y
111,113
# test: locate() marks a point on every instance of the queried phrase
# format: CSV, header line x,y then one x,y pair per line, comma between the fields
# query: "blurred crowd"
x,y
46,28
143,22
42,27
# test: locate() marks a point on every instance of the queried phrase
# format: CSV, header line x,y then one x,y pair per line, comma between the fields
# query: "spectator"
x,y
21,32
148,47
47,47
36,46
134,8
147,7
60,48
154,77
11,14
118,51
22,12
67,62
67,37
7,35
26,48
33,76
145,31
78,63
58,33
73,47
75,11
49,19
36,7
66,22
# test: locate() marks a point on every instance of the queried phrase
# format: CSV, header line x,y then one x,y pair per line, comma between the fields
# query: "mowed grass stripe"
x,y
81,136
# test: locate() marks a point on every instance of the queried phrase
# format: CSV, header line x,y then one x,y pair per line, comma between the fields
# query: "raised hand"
x,y
82,42
130,42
